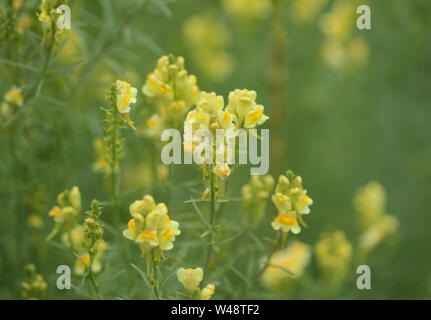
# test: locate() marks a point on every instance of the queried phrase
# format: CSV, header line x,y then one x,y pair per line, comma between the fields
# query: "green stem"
x,y
251,286
92,280
212,213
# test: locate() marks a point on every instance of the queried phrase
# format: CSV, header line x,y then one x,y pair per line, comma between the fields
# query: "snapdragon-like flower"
x,y
125,97
256,194
242,104
207,292
191,278
48,18
285,265
173,90
292,202
151,227
69,206
210,114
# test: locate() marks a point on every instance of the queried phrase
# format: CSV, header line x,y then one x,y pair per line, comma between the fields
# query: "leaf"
x,y
19,65
282,269
168,274
200,213
142,273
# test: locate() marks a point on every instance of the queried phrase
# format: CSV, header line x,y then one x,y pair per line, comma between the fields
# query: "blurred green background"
x,y
344,125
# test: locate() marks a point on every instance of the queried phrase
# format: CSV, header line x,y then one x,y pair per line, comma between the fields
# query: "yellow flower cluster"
x,y
333,253
34,288
69,206
292,202
248,10
242,111
286,264
340,45
12,100
151,226
48,18
191,278
255,195
208,37
370,203
173,90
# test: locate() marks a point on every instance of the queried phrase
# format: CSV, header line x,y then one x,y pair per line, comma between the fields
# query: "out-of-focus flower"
x,y
256,194
34,287
14,97
207,292
340,47
69,202
100,165
333,253
151,227
75,238
338,22
286,265
386,225
291,201
306,10
35,221
248,10
208,37
376,224
190,278
370,202
173,90
333,53
83,262
359,50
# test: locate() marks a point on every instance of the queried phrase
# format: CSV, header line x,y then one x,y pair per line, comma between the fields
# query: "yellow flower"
x,y
83,262
286,223
75,238
190,278
14,97
222,170
151,226
126,96
286,264
291,201
207,292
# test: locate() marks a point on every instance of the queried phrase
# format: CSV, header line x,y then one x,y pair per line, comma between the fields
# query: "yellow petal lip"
x,y
286,220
